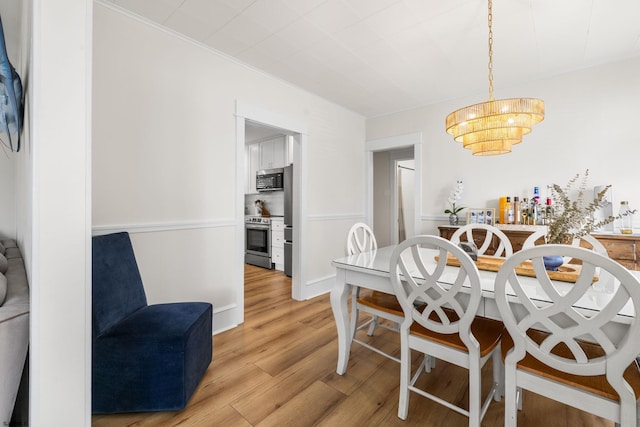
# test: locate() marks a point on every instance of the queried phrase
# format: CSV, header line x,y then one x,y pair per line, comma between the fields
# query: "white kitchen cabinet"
x,y
270,154
277,258
252,164
277,243
289,145
273,153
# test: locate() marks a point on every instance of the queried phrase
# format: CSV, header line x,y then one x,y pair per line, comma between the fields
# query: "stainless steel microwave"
x,y
270,180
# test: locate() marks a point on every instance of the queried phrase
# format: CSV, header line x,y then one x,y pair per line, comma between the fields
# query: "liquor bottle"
x,y
535,207
626,222
516,210
524,215
508,211
503,200
548,210
533,212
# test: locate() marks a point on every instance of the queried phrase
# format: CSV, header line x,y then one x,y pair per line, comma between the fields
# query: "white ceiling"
x,y
380,56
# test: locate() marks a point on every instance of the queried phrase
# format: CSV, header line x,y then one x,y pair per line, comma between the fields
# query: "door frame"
x,y
247,111
394,143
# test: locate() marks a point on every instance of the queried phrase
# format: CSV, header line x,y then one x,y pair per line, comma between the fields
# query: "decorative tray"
x,y
565,273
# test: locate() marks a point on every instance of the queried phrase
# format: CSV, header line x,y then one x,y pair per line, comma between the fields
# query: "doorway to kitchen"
x,y
394,187
260,124
268,197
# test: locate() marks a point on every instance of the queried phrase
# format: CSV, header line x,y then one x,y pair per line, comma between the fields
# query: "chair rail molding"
x,y
163,226
337,217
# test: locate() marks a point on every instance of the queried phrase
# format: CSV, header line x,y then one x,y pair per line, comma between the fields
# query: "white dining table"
x,y
370,270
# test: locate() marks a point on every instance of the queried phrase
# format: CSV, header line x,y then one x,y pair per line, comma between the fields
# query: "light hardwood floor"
x,y
278,369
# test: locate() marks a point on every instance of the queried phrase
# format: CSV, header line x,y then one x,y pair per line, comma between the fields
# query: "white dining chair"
x,y
445,326
378,304
561,352
533,238
484,240
595,244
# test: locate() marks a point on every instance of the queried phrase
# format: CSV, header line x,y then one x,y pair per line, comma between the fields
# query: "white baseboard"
x,y
225,318
318,287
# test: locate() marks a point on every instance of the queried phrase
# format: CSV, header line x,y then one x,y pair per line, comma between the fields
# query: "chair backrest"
x,y
568,327
504,248
531,240
117,285
417,278
596,246
360,239
592,241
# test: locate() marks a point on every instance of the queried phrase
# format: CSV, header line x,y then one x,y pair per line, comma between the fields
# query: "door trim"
x,y
247,111
393,143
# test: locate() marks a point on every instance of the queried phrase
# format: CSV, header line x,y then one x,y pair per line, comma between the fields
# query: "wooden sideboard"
x,y
623,248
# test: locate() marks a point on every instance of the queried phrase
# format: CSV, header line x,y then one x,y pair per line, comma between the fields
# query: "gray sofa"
x,y
14,325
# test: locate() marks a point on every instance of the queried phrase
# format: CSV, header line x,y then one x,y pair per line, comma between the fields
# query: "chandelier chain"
x,y
490,21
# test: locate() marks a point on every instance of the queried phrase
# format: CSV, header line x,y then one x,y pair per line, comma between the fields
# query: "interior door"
x,y
405,212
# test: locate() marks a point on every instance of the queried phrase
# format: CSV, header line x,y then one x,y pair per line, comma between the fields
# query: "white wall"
x,y
53,205
45,200
382,203
591,122
164,159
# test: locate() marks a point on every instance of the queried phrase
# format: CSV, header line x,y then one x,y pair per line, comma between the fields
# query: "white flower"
x,y
456,194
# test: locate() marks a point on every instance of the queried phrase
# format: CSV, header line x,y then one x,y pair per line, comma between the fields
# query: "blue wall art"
x,y
11,100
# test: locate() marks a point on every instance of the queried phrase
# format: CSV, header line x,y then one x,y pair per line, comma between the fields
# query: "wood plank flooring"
x,y
278,369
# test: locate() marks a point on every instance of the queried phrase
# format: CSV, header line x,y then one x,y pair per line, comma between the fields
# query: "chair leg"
x,y
428,363
511,398
498,374
405,376
425,364
475,394
354,311
628,415
372,326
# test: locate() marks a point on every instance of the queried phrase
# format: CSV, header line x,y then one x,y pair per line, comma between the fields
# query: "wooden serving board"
x,y
565,273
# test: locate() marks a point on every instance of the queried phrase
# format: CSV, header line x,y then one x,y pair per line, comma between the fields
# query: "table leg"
x,y
339,295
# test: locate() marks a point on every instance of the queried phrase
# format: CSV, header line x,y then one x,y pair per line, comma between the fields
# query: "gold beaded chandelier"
x,y
492,127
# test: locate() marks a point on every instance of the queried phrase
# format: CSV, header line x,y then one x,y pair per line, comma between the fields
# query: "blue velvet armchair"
x,y
145,357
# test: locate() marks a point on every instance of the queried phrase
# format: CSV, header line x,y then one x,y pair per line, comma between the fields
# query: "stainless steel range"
x,y
257,238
